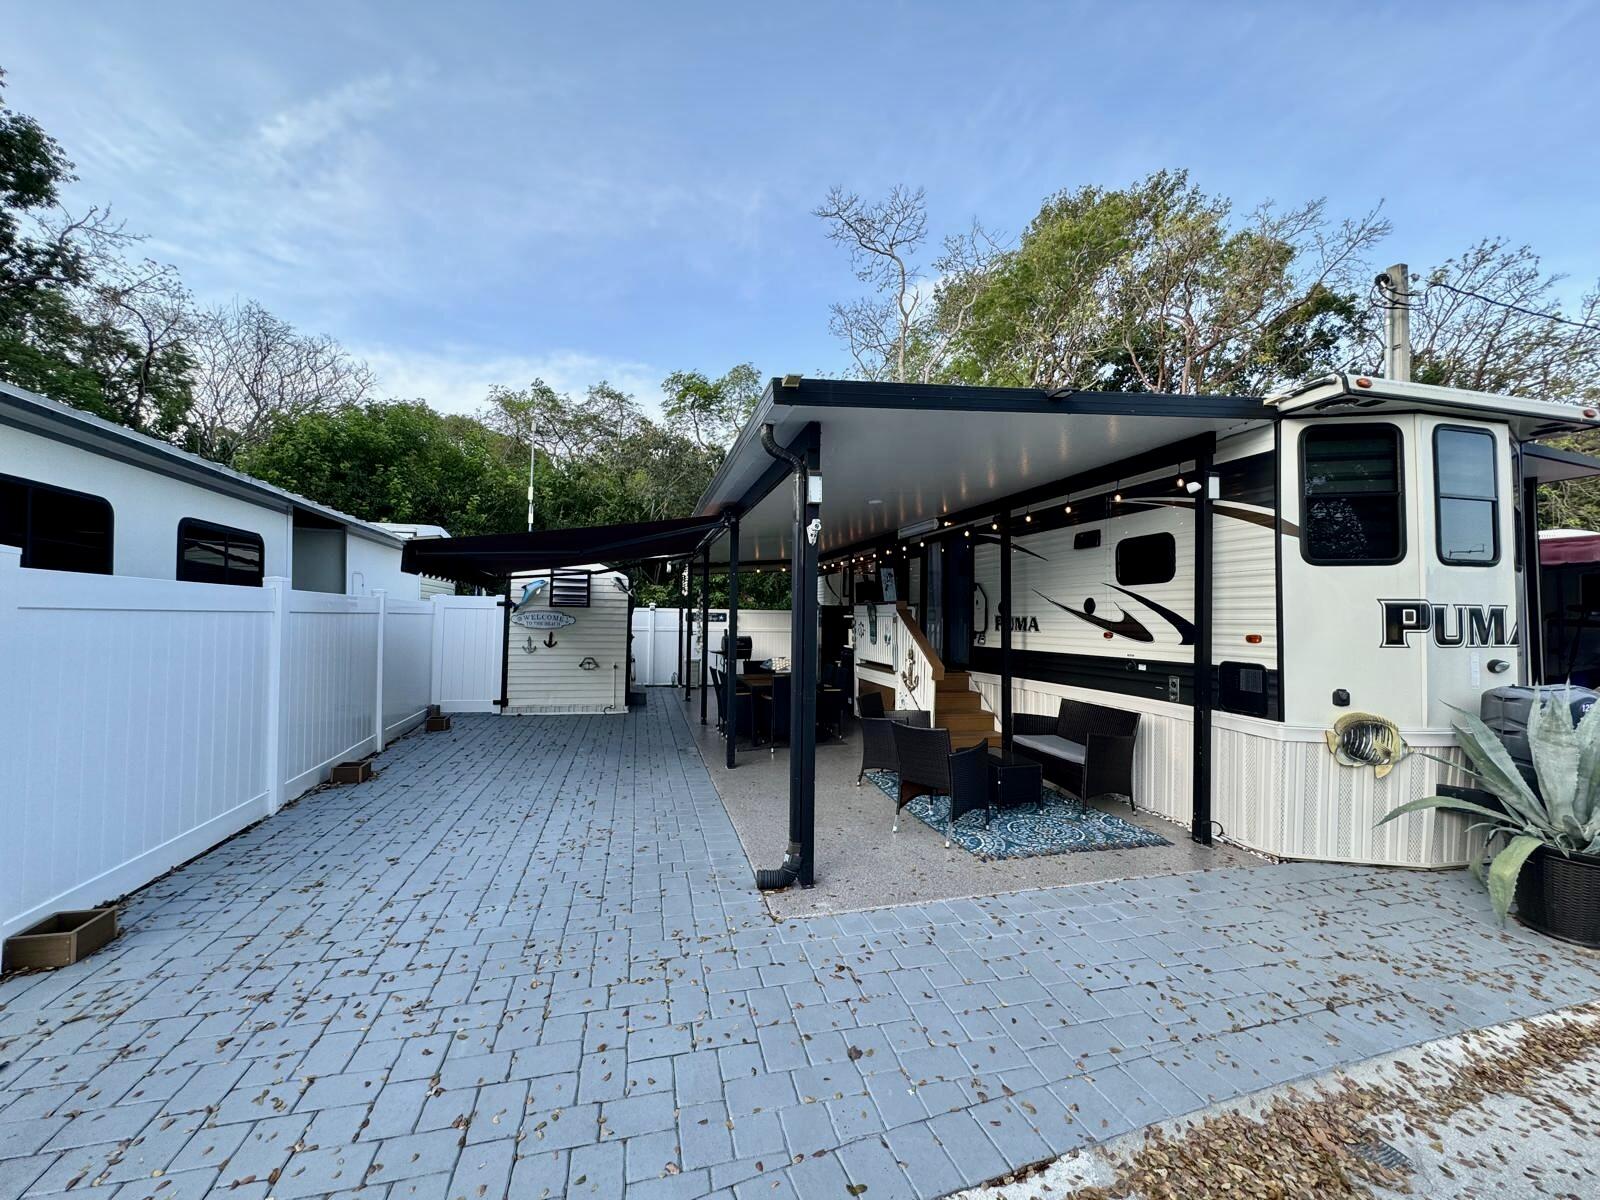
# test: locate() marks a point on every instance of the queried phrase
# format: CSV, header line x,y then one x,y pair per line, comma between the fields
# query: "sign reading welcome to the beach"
x,y
543,618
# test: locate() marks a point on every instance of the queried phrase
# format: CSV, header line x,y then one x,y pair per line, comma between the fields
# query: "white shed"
x,y
568,647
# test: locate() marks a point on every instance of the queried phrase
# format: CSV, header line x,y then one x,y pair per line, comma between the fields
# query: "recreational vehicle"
x,y
1247,575
79,493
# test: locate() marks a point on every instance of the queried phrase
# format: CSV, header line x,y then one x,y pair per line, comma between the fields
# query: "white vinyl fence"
x,y
146,720
656,645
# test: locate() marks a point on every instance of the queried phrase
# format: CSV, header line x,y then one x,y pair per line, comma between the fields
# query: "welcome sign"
x,y
543,618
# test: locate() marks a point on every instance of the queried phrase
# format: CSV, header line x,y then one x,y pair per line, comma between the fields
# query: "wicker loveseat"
x,y
1086,748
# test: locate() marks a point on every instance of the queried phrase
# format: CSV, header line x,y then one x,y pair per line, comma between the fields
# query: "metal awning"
x,y
894,455
1550,464
489,559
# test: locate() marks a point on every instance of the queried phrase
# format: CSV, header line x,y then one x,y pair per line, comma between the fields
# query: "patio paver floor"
x,y
526,958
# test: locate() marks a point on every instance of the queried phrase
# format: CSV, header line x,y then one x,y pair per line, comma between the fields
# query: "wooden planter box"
x,y
438,724
61,939
353,772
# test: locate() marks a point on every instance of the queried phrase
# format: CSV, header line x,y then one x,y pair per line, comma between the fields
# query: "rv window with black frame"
x,y
1146,560
57,529
1467,504
1351,487
210,553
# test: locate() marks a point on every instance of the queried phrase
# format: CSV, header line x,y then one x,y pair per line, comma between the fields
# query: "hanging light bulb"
x,y
1180,480
994,524
1068,508
1028,519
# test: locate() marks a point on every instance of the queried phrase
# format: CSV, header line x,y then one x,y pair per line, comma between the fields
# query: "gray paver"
x,y
528,955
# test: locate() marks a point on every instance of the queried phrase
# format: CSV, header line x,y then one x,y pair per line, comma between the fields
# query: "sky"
x,y
485,192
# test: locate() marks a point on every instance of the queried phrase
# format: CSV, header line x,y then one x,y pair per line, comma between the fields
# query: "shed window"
x,y
1468,509
1351,511
58,530
210,553
1152,558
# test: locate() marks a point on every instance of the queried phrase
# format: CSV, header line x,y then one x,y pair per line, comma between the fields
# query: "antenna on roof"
x,y
1395,284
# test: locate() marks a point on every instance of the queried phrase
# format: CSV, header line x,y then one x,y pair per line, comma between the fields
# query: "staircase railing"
x,y
918,667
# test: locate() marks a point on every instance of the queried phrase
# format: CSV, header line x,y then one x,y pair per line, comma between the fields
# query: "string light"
x,y
1180,480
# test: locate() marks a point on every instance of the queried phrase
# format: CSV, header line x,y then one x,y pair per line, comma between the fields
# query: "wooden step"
x,y
961,741
959,702
955,681
965,722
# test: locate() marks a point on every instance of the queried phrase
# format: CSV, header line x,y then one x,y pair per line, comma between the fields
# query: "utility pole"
x,y
533,455
1395,283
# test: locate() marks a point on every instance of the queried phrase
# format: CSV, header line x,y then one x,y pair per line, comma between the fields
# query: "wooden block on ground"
x,y
61,939
353,772
438,724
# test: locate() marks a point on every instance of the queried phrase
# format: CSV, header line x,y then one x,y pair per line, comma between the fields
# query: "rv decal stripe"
x,y
1125,625
1184,627
1254,516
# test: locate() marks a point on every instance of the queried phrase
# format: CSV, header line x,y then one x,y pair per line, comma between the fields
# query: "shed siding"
x,y
545,679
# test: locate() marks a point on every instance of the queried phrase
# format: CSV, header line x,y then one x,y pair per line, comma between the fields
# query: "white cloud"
x,y
458,380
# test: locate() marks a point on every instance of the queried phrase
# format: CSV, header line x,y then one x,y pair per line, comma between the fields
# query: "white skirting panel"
x,y
1277,789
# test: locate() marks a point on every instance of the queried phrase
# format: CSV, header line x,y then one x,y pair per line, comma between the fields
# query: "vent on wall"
x,y
569,589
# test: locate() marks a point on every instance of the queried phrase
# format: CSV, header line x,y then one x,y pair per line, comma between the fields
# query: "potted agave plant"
x,y
1543,843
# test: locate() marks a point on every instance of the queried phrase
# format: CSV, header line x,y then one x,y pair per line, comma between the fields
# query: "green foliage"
x,y
1564,814
1158,287
60,333
396,462
712,410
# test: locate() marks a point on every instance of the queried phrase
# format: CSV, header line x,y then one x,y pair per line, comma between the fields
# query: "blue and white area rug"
x,y
1058,824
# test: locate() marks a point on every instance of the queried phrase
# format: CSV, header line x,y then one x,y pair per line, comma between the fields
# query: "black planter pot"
x,y
1559,894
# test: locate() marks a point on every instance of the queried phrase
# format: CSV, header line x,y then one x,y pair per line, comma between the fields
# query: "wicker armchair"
x,y
1086,748
924,758
970,785
877,739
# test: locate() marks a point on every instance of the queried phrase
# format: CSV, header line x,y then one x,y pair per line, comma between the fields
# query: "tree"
x,y
714,410
1157,288
1488,320
253,370
396,461
881,237
75,322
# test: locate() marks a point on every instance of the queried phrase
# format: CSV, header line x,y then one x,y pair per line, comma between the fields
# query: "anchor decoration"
x,y
909,676
550,639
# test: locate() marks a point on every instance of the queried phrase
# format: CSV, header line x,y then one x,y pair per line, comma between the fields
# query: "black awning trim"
x,y
490,558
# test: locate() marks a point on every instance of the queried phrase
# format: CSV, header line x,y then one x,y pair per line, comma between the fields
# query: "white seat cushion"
x,y
1052,744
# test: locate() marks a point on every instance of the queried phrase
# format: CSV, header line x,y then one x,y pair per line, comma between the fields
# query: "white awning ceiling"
x,y
888,465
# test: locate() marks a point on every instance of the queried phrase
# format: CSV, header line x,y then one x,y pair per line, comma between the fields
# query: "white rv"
x,y
1366,553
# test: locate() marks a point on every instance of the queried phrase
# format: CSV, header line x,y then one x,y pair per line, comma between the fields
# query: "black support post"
x,y
1532,605
730,663
505,650
705,625
1200,830
1005,634
803,676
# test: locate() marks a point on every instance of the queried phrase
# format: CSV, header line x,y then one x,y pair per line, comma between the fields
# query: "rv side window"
x,y
210,553
1468,505
57,530
1351,490
1145,560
